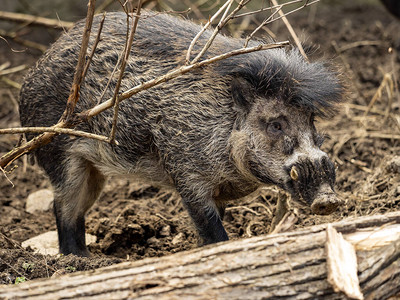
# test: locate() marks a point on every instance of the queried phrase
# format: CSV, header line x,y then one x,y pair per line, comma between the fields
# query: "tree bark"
x,y
287,265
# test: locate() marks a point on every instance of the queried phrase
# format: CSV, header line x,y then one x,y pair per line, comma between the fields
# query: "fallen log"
x,y
287,265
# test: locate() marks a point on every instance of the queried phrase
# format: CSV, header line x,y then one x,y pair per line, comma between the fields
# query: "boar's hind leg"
x,y
206,217
77,192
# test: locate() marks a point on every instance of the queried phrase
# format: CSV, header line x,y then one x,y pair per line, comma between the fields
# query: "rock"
x,y
397,191
178,238
165,231
153,241
394,165
47,243
39,201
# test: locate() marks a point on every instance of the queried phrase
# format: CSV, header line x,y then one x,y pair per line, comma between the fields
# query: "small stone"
x,y
165,231
39,201
153,241
397,191
47,243
178,238
394,165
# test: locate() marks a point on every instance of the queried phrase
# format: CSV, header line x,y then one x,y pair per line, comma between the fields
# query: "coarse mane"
x,y
287,76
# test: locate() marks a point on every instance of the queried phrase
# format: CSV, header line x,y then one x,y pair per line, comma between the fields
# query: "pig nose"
x,y
313,182
325,201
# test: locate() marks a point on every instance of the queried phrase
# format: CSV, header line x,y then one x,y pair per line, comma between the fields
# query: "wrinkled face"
x,y
284,149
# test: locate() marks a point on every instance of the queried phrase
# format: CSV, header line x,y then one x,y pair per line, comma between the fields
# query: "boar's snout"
x,y
326,201
313,182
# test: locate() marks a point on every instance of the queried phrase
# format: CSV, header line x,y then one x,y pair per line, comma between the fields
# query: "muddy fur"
x,y
214,134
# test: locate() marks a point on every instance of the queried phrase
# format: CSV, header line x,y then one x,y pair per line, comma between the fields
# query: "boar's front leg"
x,y
205,215
74,195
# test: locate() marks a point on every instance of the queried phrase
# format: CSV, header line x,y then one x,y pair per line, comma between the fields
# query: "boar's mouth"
x,y
313,183
310,182
326,201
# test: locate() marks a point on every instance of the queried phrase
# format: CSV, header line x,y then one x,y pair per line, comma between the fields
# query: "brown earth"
x,y
133,221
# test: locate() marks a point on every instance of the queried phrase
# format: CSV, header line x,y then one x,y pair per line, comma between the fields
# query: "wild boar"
x,y
214,134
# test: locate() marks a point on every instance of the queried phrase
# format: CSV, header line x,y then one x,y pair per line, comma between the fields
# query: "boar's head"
x,y
275,141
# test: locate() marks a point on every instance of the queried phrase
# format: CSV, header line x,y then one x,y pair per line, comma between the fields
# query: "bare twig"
x,y
11,82
290,28
308,3
204,28
26,43
387,79
195,9
268,8
250,36
241,207
16,17
5,175
5,65
380,135
79,71
359,44
68,131
271,19
363,108
127,51
177,72
69,119
96,42
221,24
12,70
65,121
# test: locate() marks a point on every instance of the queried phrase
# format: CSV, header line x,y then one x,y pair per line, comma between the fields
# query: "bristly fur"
x,y
287,76
204,133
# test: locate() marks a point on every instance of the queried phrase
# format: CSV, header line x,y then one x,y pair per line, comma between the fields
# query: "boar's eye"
x,y
275,128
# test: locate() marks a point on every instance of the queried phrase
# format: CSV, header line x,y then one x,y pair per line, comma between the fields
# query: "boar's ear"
x,y
242,93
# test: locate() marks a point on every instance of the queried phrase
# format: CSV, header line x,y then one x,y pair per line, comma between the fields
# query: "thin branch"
x,y
16,17
380,135
96,42
217,29
11,82
386,78
68,131
5,175
308,3
78,76
360,44
47,137
250,36
128,47
5,65
175,73
12,70
65,121
267,8
290,28
26,43
221,24
204,28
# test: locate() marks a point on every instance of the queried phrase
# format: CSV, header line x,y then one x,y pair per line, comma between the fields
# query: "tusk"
x,y
293,174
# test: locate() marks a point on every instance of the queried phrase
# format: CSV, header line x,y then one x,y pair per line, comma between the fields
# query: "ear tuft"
x,y
241,93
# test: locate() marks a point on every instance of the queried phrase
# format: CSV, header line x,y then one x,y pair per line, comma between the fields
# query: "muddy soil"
x,y
135,220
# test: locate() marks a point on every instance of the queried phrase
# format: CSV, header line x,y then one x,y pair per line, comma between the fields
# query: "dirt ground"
x,y
132,221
